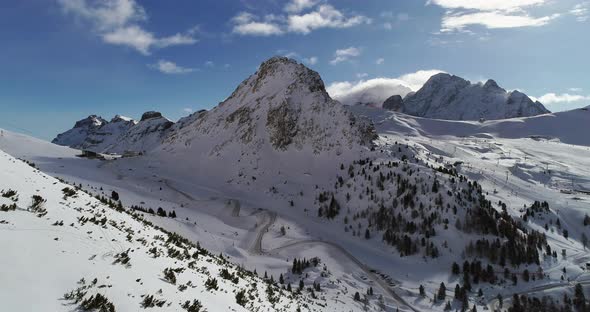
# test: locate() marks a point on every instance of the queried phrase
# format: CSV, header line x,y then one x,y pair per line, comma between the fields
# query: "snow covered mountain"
x,y
451,97
283,106
118,135
281,114
82,129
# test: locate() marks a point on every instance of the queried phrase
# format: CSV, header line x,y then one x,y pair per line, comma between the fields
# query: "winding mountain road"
x,y
384,285
270,217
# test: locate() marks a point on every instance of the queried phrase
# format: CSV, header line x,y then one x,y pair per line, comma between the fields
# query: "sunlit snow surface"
x,y
517,161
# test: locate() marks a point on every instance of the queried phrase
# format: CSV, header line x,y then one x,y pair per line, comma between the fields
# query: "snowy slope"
x,y
88,248
279,120
446,96
279,170
567,127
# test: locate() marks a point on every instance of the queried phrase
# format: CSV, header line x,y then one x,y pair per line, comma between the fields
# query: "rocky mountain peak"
x,y
445,79
283,74
91,121
446,96
150,115
283,104
491,84
119,118
395,103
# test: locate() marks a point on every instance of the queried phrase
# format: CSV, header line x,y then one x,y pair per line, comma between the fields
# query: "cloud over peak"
x,y
376,91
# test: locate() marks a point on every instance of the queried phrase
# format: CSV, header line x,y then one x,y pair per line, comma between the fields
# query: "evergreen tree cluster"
x,y
300,265
524,303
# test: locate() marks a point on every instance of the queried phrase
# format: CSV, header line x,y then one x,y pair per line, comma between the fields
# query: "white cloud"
x,y
376,91
168,67
296,6
116,21
108,14
581,11
187,110
417,79
491,14
362,75
553,98
575,89
249,24
311,60
141,40
487,5
342,55
303,17
380,61
325,16
492,20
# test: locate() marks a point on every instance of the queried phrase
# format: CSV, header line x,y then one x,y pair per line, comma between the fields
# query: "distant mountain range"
x,y
283,106
446,96
118,135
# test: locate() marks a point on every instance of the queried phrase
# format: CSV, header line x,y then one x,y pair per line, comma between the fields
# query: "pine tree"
x,y
580,299
241,298
456,270
442,292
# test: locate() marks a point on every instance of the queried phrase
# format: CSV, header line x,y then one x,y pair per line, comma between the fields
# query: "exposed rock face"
x,y
285,105
150,115
446,96
394,103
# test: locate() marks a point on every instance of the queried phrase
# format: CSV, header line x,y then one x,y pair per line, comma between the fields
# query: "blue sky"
x,y
62,60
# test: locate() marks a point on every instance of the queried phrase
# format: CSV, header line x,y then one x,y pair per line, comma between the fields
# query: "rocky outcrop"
x,y
394,103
